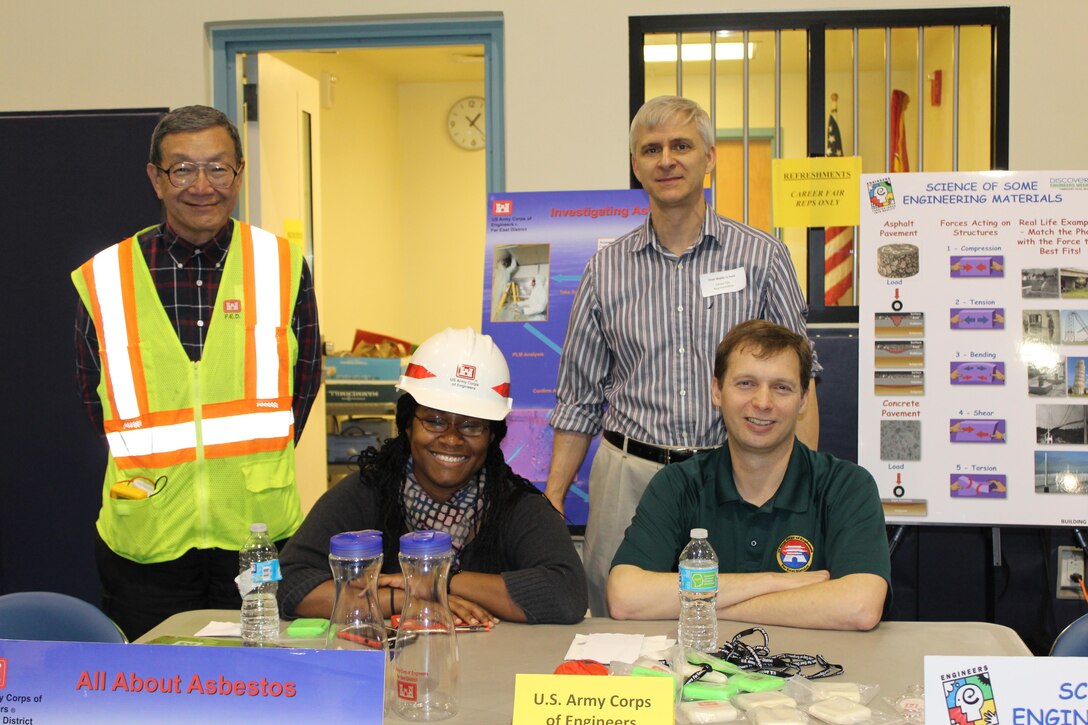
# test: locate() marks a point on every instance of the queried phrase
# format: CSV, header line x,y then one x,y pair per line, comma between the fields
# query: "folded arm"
x,y
852,602
808,599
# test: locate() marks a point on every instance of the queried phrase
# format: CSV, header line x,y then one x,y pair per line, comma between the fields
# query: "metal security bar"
x,y
879,124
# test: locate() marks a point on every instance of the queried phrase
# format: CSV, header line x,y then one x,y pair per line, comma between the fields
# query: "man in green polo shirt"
x,y
799,535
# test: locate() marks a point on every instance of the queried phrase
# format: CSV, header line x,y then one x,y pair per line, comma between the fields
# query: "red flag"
x,y
838,266
897,160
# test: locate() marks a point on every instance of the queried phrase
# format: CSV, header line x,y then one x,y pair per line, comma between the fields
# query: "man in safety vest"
x,y
198,357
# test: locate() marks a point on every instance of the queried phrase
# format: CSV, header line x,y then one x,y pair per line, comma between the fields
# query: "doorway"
x,y
349,150
398,204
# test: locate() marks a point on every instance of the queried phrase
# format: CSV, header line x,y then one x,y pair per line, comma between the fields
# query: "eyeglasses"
x,y
468,428
184,173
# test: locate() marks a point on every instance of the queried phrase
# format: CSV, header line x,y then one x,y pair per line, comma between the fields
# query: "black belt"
x,y
648,451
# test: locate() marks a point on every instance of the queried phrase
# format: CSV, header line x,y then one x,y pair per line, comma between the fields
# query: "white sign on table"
x,y
1006,690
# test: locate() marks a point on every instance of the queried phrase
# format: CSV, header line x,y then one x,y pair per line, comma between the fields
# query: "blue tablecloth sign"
x,y
48,683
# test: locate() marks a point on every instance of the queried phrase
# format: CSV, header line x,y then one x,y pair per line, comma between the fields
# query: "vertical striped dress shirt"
x,y
639,352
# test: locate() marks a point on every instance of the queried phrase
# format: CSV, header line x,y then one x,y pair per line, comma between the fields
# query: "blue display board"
x,y
537,248
67,682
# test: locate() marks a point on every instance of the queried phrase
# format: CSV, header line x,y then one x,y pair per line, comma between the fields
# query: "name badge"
x,y
718,283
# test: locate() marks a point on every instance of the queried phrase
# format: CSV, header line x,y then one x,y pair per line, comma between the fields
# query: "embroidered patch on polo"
x,y
794,553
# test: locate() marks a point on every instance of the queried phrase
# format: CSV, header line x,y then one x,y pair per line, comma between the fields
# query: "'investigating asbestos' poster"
x,y
537,247
973,346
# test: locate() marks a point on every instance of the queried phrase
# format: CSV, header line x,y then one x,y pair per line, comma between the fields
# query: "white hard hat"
x,y
462,372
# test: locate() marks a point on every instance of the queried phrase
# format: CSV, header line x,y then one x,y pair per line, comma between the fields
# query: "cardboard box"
x,y
361,391
363,368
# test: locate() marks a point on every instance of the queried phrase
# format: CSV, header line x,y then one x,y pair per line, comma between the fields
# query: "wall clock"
x,y
465,123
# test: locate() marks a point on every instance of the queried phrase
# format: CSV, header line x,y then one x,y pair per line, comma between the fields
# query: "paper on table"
x,y
656,646
607,648
220,629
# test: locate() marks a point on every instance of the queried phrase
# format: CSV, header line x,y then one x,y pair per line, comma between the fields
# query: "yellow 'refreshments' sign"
x,y
592,700
819,192
294,231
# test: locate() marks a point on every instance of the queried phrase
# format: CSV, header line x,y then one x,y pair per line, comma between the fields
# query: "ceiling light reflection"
x,y
1039,355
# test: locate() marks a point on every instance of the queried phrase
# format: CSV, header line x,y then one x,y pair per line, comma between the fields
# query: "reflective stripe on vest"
x,y
141,438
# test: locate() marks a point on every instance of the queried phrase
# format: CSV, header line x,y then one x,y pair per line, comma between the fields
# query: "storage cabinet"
x,y
359,414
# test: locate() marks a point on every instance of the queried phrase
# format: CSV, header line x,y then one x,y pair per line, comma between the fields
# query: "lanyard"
x,y
758,658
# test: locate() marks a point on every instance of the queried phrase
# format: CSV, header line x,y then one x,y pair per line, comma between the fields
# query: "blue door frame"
x,y
227,41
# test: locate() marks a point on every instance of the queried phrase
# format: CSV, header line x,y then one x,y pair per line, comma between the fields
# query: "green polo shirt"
x,y
825,515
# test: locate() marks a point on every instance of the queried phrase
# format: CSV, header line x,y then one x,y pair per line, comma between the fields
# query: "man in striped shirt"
x,y
649,314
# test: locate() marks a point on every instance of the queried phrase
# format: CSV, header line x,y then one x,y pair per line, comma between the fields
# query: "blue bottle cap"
x,y
356,544
425,543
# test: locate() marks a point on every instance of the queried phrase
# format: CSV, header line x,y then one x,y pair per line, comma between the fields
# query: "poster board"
x,y
60,223
973,346
537,247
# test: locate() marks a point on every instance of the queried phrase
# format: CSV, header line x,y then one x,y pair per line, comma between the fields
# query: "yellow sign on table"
x,y
592,700
819,192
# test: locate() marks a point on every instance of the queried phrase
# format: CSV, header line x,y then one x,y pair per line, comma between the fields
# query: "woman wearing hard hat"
x,y
513,556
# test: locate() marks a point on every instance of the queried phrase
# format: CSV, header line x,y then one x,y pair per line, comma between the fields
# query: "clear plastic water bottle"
x,y
425,657
258,572
698,626
355,558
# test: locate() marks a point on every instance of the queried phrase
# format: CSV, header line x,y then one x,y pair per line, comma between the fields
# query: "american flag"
x,y
838,242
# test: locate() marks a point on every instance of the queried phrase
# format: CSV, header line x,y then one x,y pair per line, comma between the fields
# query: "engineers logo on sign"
x,y
502,207
970,697
881,196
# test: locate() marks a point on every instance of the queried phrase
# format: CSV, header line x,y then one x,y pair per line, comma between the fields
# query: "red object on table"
x,y
581,667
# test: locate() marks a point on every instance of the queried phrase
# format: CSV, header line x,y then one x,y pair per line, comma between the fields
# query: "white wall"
x,y
443,205
402,245
404,211
566,92
285,94
566,69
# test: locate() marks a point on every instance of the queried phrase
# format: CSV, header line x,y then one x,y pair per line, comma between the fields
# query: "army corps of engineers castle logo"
x,y
881,196
969,697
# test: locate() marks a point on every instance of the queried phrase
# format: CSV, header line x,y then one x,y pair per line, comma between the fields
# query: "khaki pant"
x,y
616,483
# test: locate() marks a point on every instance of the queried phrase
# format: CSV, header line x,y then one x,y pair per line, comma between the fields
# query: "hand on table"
x,y
393,581
469,612
464,611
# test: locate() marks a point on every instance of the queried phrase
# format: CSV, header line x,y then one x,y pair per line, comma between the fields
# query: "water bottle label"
x,y
698,580
266,571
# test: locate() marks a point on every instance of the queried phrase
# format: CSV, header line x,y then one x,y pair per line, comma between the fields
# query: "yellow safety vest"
x,y
220,430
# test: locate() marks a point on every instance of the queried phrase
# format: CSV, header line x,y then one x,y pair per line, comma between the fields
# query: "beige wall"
x,y
285,94
60,55
443,211
402,208
566,112
566,103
